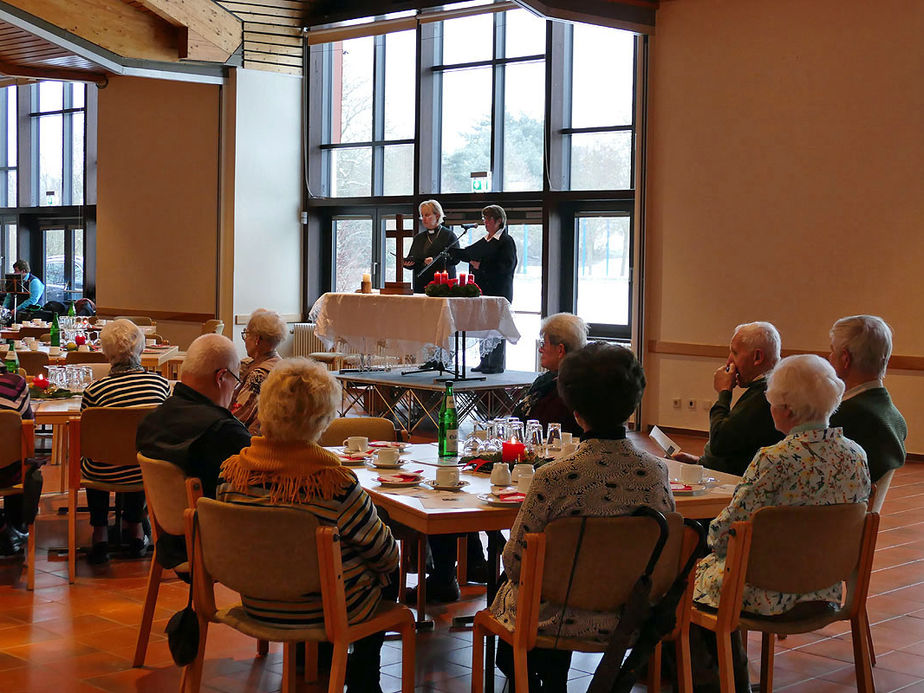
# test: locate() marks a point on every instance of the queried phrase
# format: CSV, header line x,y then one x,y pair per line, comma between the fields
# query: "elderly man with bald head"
x,y
737,432
860,350
193,428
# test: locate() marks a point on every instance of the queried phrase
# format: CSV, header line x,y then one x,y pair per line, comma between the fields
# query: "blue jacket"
x,y
36,292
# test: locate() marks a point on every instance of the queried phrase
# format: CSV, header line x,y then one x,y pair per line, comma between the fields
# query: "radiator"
x,y
304,341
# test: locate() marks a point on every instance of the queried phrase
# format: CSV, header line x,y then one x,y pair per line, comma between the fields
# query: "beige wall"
x,y
157,229
785,178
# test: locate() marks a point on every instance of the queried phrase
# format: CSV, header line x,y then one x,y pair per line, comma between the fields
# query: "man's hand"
x,y
408,263
428,260
474,264
685,457
725,377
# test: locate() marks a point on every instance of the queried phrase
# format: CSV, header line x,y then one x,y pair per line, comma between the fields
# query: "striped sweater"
x,y
124,388
14,394
369,554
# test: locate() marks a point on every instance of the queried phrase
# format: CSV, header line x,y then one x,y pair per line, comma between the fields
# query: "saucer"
x,y
388,444
437,487
680,489
395,482
380,465
492,500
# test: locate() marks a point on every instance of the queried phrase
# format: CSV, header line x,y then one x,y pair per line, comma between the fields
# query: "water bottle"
x,y
448,425
55,332
12,360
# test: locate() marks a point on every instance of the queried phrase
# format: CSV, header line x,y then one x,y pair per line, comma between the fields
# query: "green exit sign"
x,y
481,182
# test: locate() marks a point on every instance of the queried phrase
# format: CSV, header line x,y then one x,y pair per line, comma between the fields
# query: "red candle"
x,y
445,277
463,278
471,279
513,451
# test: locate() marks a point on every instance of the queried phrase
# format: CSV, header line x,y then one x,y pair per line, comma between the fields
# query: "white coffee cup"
x,y
691,473
387,456
356,443
54,351
565,438
37,322
447,476
519,470
150,341
500,474
83,347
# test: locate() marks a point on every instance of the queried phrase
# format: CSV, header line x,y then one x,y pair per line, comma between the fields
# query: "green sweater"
x,y
737,433
871,420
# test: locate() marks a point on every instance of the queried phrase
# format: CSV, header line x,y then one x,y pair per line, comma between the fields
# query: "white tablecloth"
x,y
397,325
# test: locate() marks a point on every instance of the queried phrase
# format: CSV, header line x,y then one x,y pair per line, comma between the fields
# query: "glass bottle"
x,y
12,360
448,425
72,311
55,332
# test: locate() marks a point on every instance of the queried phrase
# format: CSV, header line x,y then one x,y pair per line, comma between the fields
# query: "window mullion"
x,y
378,115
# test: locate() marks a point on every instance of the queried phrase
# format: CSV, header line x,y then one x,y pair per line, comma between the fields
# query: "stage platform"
x,y
413,400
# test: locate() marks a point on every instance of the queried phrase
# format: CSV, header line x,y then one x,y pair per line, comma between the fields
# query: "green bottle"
x,y
55,332
12,360
449,425
72,311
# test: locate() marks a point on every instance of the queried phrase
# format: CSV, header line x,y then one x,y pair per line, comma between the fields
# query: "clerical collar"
x,y
432,231
862,387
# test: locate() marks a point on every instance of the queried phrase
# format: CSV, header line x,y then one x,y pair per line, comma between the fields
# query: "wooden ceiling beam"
x,y
62,74
203,24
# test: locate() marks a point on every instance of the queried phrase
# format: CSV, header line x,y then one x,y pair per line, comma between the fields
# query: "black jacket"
x,y
426,245
498,260
194,433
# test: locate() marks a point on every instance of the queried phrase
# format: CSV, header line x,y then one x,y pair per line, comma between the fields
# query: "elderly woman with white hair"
x,y
127,385
562,334
812,465
264,333
287,468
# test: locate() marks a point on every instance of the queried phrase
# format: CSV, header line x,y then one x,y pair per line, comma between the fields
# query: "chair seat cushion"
x,y
802,618
573,644
111,488
238,619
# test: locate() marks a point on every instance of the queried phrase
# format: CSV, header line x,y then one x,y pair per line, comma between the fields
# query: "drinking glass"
x,y
533,436
514,430
553,438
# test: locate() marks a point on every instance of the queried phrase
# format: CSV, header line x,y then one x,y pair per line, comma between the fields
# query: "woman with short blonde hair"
x,y
265,331
286,468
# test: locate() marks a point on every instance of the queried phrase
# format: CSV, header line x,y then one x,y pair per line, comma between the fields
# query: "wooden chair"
x,y
373,427
45,337
107,436
33,362
877,497
213,326
797,550
17,444
171,368
85,357
168,493
598,583
140,320
282,554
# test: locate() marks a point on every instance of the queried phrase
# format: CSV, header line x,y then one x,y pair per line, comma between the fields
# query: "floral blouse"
x,y
247,395
813,465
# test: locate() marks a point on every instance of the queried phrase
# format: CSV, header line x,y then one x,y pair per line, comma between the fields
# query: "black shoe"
x,y
437,592
10,541
99,553
433,365
138,548
491,371
478,369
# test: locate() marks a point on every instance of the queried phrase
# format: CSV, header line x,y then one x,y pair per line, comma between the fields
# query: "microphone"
x,y
468,226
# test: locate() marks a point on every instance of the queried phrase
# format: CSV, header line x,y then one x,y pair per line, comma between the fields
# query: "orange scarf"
x,y
292,472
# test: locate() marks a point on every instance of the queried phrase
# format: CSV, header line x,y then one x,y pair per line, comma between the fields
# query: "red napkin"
x,y
512,497
401,476
676,486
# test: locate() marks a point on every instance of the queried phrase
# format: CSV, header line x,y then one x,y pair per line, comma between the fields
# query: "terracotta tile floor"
x,y
81,638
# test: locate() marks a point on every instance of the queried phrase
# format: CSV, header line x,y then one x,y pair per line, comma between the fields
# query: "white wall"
x,y
785,179
267,193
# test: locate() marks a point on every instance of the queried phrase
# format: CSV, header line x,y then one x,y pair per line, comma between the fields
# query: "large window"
x,y
8,135
63,251
503,108
368,138
58,113
492,84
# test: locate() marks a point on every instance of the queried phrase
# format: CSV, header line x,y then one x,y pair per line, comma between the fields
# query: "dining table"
x,y
428,511
153,358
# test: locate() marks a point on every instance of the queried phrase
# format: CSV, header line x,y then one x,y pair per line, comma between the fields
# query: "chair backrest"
x,y
263,552
33,362
373,427
13,442
800,549
137,319
106,435
165,490
213,326
614,552
85,357
880,489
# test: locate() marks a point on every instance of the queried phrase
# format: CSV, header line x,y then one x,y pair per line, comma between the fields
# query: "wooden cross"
x,y
399,286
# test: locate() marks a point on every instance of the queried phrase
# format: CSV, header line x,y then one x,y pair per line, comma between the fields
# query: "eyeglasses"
x,y
229,372
245,332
